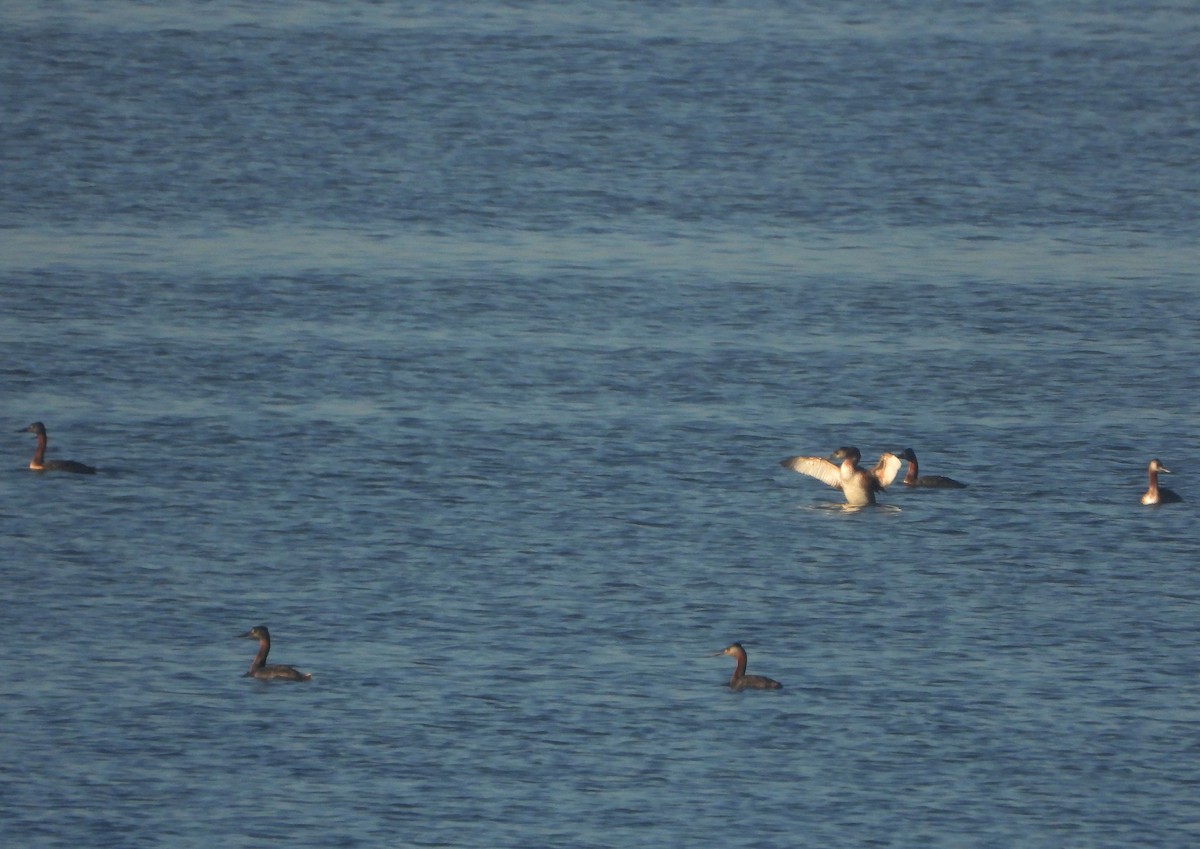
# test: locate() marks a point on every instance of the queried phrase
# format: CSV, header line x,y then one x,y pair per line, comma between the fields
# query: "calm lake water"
x,y
459,343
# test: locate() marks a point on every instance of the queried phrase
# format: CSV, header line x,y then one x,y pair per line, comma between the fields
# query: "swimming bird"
x,y
911,478
1159,494
259,669
39,462
856,483
740,680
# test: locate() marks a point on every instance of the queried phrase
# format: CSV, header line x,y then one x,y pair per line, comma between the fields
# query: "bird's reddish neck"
x,y
740,668
39,455
264,646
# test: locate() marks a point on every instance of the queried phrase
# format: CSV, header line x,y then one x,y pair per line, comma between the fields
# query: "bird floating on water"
x,y
1156,494
911,477
274,672
39,463
740,680
856,483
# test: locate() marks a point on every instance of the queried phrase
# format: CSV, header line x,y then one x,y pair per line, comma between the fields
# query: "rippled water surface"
x,y
460,343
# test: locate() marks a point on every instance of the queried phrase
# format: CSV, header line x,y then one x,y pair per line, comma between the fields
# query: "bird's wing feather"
x,y
887,467
815,467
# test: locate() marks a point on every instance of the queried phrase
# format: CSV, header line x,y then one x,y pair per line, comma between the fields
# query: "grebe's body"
x,y
856,483
258,666
911,478
1159,494
740,680
39,463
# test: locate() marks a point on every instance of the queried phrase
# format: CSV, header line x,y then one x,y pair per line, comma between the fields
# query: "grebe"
x,y
258,669
911,479
1159,494
856,483
39,463
740,680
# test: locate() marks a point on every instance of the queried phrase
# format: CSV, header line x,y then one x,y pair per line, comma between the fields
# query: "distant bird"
x,y
39,462
1159,494
740,680
275,672
935,481
856,483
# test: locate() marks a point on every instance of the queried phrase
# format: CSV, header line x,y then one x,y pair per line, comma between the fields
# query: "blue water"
x,y
459,344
